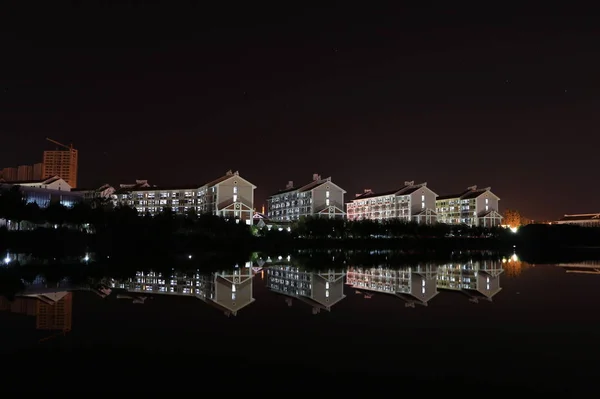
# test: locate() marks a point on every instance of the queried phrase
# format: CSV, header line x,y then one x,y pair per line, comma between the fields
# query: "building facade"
x,y
320,197
320,290
581,219
104,192
45,192
25,173
229,196
411,203
473,207
10,174
63,163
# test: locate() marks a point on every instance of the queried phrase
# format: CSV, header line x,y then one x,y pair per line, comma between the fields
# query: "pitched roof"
x,y
405,190
581,216
49,180
307,187
469,193
143,186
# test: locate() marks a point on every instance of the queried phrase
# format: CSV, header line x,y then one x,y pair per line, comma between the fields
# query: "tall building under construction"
x,y
62,162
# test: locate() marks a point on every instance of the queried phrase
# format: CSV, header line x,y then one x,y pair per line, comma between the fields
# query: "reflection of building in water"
x,y
584,267
319,289
478,279
228,291
53,311
415,285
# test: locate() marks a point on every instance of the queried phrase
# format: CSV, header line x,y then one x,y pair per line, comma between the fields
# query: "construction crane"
x,y
60,144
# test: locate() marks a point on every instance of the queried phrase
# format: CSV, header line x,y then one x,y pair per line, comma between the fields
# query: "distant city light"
x,y
86,258
189,256
7,259
514,229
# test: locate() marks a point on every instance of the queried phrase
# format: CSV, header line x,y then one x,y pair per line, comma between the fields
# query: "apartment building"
x,y
25,172
22,173
410,203
63,163
106,191
473,207
10,174
414,285
320,197
320,290
229,196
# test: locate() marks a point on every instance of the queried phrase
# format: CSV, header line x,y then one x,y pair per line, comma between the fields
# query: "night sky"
x,y
372,97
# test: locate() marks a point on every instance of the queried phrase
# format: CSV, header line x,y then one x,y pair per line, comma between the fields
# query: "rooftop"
x,y
408,188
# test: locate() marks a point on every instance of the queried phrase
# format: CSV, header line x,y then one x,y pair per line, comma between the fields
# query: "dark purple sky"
x,y
371,97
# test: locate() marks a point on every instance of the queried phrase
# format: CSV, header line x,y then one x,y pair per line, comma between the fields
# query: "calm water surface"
x,y
476,327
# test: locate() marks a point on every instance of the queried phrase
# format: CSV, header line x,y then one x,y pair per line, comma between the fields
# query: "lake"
x,y
477,326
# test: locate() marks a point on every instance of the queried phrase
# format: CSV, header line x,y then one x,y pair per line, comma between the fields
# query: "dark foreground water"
x,y
311,332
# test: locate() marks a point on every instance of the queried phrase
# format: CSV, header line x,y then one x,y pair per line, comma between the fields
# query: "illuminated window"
x,y
327,285
235,190
422,198
326,194
234,197
327,202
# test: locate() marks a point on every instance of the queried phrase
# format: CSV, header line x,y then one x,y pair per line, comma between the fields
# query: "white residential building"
x,y
320,197
105,191
229,196
581,219
473,207
320,290
413,202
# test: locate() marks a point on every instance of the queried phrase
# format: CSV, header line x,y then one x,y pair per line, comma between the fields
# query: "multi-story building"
x,y
411,203
229,196
320,197
10,174
25,173
105,191
477,279
414,285
63,163
38,171
581,219
46,191
473,207
228,291
320,290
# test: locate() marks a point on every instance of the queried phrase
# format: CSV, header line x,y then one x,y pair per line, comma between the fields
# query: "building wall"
x,y
319,197
422,199
9,174
294,204
63,164
25,173
486,201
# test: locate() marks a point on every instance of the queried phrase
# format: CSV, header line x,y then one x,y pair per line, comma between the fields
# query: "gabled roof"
x,y
580,216
194,186
469,193
405,190
308,187
49,180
